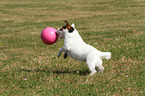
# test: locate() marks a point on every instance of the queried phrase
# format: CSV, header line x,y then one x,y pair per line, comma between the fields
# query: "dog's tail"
x,y
106,55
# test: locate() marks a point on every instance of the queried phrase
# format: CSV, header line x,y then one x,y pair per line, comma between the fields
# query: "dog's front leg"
x,y
63,49
65,55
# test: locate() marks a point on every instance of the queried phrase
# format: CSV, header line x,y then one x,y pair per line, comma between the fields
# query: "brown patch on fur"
x,y
69,27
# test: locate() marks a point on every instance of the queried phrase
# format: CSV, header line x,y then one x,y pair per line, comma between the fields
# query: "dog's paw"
x,y
65,55
58,55
93,73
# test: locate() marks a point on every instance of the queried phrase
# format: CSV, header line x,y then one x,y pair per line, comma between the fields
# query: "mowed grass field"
x,y
28,67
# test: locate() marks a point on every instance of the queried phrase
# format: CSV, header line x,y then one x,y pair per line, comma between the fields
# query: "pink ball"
x,y
49,35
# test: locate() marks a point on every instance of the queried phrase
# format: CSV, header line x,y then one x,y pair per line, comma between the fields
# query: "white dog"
x,y
77,49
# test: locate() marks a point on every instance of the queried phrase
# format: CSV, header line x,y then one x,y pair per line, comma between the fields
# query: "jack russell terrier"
x,y
76,48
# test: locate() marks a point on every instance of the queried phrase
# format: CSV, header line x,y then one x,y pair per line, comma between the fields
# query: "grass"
x,y
28,67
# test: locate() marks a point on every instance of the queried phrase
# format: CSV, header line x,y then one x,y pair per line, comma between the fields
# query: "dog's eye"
x,y
71,30
61,29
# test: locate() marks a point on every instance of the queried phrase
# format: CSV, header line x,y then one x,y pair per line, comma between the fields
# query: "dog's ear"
x,y
73,25
70,28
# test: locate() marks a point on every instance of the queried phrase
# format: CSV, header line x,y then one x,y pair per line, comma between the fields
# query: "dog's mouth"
x,y
58,32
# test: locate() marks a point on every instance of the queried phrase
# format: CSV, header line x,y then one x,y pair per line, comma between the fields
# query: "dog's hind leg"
x,y
91,64
99,66
94,61
93,71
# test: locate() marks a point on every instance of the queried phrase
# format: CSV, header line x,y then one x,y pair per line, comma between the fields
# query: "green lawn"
x,y
28,67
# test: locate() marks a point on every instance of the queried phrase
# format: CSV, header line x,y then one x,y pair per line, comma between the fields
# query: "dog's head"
x,y
66,29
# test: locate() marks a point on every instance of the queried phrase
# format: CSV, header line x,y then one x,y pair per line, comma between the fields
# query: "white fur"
x,y
77,49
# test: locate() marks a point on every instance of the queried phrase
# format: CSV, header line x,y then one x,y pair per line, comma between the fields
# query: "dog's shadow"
x,y
81,73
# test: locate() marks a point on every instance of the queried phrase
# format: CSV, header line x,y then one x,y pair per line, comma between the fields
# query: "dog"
x,y
76,48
